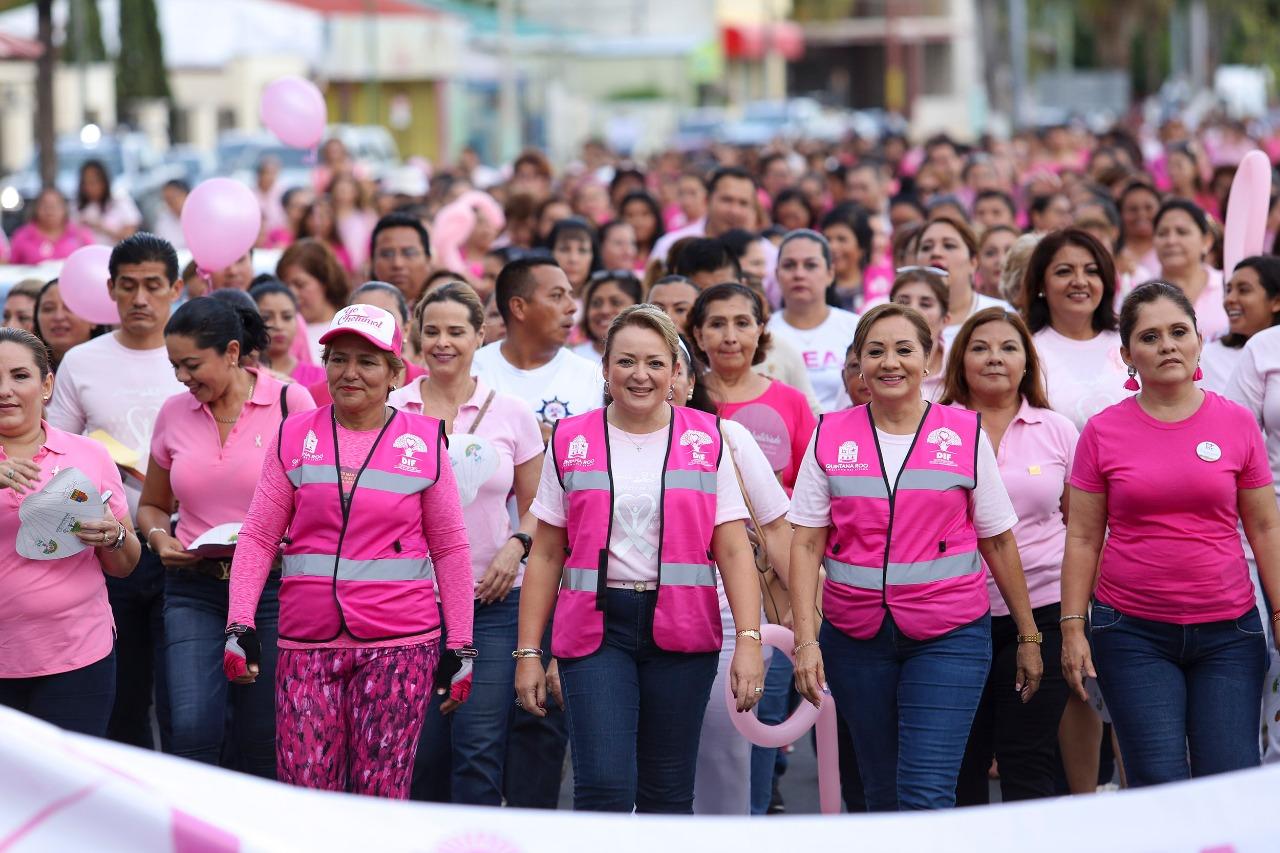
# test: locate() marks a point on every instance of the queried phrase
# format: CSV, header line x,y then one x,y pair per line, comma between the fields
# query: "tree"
x,y
140,68
44,93
83,42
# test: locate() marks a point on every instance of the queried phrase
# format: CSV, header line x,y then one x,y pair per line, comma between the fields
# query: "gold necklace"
x,y
253,380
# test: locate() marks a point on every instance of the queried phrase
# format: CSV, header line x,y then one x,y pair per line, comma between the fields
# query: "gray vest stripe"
x,y
311,475
577,481
943,568
687,574
934,481
321,565
382,481
700,481
862,577
857,487
579,580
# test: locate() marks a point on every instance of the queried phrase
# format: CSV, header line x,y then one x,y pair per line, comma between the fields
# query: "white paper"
x,y
51,516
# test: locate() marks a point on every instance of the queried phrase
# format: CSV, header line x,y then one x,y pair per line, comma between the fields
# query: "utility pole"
x,y
1018,57
44,93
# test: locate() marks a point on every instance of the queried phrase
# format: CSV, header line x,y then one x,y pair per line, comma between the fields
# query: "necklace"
x,y
253,380
639,446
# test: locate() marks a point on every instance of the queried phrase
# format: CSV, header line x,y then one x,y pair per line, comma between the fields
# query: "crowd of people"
x,y
521,460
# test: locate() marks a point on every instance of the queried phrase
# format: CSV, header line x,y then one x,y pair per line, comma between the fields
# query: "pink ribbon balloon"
x,y
83,285
294,110
221,221
793,728
1247,209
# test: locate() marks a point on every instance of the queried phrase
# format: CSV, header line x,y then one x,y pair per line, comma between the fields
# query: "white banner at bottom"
x,y
67,792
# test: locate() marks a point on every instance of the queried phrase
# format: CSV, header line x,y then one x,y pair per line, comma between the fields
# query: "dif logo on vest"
x,y
847,458
945,439
409,444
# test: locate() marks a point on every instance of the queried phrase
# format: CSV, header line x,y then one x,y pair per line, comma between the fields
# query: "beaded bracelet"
x,y
1071,616
1275,617
804,645
526,653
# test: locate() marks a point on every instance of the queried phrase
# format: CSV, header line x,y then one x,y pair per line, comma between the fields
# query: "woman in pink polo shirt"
x,y
57,657
206,453
1158,486
996,372
495,448
638,509
50,235
371,510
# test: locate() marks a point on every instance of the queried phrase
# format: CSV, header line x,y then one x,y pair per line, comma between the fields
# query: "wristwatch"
x,y
525,540
1037,638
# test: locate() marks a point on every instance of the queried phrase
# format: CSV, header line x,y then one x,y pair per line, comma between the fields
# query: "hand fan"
x,y
217,543
51,516
474,460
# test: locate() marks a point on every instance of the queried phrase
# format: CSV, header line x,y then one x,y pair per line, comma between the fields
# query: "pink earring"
x,y
1198,375
1131,384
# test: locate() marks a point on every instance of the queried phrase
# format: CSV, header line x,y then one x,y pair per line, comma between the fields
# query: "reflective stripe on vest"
x,y
581,481
382,481
696,481
858,487
321,565
941,569
580,580
672,574
936,481
862,577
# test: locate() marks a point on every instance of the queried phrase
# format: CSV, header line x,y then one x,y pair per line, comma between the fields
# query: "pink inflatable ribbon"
x,y
1247,209
793,728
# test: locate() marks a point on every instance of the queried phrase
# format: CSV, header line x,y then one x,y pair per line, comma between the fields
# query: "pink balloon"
x,y
294,110
221,221
83,285
829,797
1247,209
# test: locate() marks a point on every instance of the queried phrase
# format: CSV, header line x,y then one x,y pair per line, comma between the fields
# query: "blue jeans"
x,y
635,714
461,756
1173,689
214,721
910,705
137,604
535,751
773,708
78,700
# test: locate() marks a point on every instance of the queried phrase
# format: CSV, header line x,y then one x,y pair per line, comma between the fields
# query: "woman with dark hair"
x,y
926,291
57,326
748,250
1050,212
727,323
618,247
216,433
948,244
848,229
1252,303
1069,290
49,235
607,294
1136,255
1183,240
996,373
320,223
641,210
575,246
791,210
1159,485
279,309
319,282
993,247
1186,180
110,216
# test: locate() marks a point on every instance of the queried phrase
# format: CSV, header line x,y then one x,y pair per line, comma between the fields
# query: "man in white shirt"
x,y
536,301
731,203
116,383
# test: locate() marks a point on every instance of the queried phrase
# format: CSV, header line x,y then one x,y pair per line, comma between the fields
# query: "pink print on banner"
x,y
769,430
193,835
477,842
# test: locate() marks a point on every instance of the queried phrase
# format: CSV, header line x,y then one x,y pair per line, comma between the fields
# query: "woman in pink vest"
x,y
1160,484
900,501
637,507
996,372
373,520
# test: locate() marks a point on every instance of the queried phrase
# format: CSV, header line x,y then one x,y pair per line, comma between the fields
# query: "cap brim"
x,y
334,333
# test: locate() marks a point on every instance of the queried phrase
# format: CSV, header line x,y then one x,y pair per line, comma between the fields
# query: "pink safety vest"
x,y
363,567
687,618
911,550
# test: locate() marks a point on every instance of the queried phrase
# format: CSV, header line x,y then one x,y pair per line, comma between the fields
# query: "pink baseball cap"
x,y
369,322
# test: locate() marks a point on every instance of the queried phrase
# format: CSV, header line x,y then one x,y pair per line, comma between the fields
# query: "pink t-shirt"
x,y
484,463
214,483
781,422
308,374
272,509
54,615
636,463
1173,551
1034,458
32,247
1081,377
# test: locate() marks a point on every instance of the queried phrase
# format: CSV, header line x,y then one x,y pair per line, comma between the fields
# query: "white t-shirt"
x,y
980,302
636,465
587,350
314,332
989,504
1219,364
567,385
1081,377
822,349
1256,386
104,385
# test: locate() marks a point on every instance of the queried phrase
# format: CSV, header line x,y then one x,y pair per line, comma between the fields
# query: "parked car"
x,y
697,130
239,153
763,122
135,166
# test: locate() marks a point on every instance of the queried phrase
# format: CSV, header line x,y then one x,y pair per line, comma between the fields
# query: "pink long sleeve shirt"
x,y
272,509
